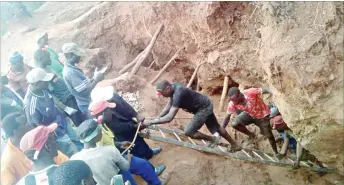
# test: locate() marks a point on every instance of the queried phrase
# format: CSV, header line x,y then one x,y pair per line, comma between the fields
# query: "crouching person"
x,y
278,124
118,116
106,161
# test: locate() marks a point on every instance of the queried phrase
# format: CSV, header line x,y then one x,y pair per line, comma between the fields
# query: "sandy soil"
x,y
186,166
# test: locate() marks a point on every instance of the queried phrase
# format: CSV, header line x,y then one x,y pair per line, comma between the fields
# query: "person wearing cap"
x,y
14,164
10,100
278,124
63,98
16,74
248,107
106,161
198,104
77,82
74,172
118,116
55,64
40,109
39,146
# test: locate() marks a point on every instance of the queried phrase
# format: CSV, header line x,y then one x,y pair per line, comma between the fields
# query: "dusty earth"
x,y
295,48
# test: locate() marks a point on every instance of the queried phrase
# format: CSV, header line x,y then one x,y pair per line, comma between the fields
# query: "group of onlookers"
x,y
48,116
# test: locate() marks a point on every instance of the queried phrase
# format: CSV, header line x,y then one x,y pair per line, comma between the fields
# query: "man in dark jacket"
x,y
118,116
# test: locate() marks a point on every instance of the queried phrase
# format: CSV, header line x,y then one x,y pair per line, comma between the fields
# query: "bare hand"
x,y
125,144
140,118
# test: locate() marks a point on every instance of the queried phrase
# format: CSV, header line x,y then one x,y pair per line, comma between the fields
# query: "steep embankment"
x,y
295,48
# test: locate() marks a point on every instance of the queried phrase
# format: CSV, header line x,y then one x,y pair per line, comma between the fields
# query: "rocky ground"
x,y
295,48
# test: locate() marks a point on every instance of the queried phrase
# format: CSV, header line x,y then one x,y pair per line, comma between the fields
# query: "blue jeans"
x,y
73,136
144,169
66,146
127,177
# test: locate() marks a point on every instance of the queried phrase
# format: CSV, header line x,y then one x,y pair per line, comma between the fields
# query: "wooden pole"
x,y
166,65
194,74
131,64
198,85
146,51
224,93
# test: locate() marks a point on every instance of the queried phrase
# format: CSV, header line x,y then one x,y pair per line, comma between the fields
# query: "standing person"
x,y
195,103
118,117
16,75
248,107
10,100
278,123
106,161
40,109
74,172
14,164
59,89
55,65
77,82
39,145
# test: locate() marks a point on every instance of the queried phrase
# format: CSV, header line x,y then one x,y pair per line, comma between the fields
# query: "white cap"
x,y
38,74
102,93
73,48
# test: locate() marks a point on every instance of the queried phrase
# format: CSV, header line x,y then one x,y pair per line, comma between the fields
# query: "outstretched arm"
x,y
165,119
166,109
226,120
285,143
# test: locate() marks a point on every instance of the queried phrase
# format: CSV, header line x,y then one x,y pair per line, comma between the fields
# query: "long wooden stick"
x,y
131,64
166,65
224,92
146,51
194,74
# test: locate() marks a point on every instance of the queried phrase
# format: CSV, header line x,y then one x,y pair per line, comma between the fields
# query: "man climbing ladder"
x,y
197,104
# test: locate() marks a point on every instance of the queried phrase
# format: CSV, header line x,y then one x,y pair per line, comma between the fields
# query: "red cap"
x,y
99,106
158,94
278,122
36,138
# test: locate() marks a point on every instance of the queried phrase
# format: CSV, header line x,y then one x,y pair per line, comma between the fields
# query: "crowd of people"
x,y
62,129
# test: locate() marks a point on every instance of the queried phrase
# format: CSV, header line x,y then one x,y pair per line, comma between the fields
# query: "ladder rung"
x,y
177,136
246,153
258,155
205,143
290,160
312,163
191,141
269,157
221,148
163,135
305,164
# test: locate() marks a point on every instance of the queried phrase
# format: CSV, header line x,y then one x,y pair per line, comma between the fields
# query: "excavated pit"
x,y
295,48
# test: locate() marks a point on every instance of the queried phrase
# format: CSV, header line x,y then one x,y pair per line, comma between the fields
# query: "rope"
x,y
132,143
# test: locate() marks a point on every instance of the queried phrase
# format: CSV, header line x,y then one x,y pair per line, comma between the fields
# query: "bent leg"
x,y
66,146
239,123
191,129
144,169
266,130
214,126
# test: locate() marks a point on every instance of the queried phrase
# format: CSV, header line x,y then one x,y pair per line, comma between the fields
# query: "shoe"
x,y
156,150
159,169
165,178
234,148
216,140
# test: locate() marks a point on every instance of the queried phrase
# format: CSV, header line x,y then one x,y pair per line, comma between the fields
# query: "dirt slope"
x,y
295,48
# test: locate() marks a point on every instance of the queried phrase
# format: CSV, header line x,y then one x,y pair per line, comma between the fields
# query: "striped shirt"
x,y
41,110
77,83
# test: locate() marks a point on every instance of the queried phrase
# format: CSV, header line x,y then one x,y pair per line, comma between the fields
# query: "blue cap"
x,y
15,57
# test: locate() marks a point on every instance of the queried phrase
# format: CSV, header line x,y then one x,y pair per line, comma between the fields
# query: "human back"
x,y
188,99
